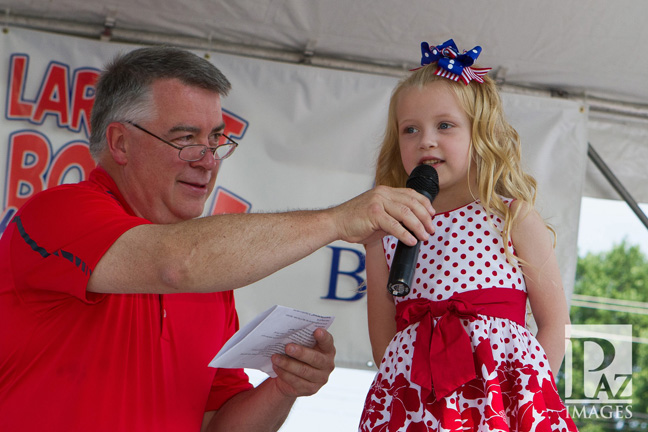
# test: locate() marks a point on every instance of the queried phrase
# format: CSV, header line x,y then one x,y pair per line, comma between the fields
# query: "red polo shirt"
x,y
71,360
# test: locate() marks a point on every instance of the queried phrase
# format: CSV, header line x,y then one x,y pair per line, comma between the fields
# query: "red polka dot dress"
x,y
462,359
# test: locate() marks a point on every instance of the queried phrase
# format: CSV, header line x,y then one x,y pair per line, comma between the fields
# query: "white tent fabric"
x,y
595,48
309,137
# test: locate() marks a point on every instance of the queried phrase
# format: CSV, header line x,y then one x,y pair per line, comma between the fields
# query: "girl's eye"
x,y
445,125
410,130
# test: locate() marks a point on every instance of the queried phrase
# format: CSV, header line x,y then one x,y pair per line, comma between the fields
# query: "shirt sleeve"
x,y
61,235
227,383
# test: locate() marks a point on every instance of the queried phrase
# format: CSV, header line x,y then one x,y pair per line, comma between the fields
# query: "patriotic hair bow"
x,y
453,65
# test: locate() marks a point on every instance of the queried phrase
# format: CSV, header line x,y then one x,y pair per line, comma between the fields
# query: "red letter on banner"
x,y
226,202
54,95
75,155
29,154
83,98
234,125
16,107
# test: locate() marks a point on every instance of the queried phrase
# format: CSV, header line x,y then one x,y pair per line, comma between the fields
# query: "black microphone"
x,y
424,180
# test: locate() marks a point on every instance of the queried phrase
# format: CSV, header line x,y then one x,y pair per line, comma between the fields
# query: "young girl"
x,y
454,353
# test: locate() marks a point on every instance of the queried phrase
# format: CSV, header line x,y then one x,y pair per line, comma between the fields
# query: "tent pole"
x,y
616,184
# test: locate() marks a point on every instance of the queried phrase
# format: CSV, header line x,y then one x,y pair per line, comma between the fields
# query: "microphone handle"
x,y
402,269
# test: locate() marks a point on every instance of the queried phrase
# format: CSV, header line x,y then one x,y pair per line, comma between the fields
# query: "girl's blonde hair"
x,y
495,146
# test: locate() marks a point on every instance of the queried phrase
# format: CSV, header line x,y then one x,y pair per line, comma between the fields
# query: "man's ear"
x,y
116,140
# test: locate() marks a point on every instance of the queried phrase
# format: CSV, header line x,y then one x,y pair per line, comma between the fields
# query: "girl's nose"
x,y
428,140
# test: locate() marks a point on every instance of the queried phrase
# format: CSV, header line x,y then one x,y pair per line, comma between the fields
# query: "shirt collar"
x,y
100,177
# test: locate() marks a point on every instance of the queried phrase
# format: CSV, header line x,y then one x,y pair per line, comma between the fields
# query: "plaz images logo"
x,y
603,371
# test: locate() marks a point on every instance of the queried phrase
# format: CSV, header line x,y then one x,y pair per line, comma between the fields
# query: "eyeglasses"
x,y
195,152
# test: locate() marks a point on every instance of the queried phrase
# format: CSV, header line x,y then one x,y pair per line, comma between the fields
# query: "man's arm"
x,y
302,372
225,252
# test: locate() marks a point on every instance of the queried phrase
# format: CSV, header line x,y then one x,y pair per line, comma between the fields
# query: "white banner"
x,y
309,138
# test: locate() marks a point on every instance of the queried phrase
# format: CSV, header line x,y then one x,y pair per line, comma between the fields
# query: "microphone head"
x,y
424,179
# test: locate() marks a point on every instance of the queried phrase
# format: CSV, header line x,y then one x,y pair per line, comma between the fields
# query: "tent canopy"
x,y
566,47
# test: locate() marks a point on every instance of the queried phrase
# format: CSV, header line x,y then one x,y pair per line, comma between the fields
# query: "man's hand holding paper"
x,y
290,345
303,371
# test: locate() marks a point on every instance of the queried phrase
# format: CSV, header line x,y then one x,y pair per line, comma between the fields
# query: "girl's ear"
x,y
117,143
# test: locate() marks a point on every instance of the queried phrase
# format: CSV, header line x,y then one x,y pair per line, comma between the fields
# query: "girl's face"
x,y
433,129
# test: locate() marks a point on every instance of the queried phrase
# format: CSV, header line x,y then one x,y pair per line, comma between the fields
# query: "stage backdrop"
x,y
309,138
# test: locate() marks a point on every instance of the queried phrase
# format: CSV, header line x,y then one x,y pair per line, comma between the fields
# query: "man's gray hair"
x,y
123,91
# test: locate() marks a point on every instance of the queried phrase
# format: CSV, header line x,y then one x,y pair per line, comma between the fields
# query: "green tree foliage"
x,y
620,274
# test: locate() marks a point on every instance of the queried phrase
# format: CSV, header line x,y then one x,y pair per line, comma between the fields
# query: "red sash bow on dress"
x,y
443,356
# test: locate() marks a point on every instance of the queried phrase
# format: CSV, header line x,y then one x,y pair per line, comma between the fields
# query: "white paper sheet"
x,y
268,333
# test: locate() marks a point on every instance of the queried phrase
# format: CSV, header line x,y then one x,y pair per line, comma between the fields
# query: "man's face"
x,y
158,185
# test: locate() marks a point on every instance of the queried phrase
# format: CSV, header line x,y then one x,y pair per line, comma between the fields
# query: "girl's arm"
x,y
534,246
381,310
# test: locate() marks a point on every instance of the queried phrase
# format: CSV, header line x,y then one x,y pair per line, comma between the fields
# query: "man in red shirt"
x,y
114,295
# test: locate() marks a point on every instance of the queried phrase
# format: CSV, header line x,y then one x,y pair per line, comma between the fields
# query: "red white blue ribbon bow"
x,y
453,65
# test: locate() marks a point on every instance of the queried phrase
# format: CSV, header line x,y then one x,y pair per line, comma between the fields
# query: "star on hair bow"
x,y
453,65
